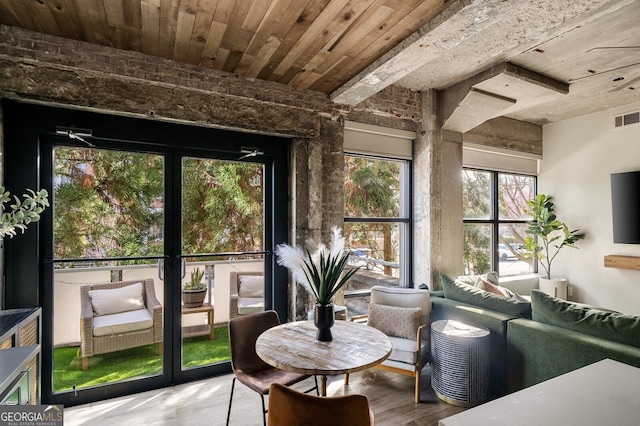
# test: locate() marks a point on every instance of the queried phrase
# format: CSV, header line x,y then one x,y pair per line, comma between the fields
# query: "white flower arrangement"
x,y
320,270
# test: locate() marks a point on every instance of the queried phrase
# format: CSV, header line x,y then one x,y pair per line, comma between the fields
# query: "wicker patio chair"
x,y
246,297
139,322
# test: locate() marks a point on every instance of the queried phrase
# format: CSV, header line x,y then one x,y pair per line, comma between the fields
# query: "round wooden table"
x,y
293,347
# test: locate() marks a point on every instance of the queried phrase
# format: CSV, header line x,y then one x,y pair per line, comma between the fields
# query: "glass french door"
x,y
222,238
134,228
108,216
139,201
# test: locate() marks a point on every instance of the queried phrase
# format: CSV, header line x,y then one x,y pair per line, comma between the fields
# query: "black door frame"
x,y
28,165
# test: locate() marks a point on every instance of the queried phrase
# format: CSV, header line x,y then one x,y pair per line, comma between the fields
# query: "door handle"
x,y
161,269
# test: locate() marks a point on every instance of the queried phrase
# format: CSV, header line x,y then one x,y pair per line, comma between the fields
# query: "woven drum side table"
x,y
460,362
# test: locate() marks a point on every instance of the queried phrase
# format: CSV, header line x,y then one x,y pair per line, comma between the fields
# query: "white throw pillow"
x,y
394,320
115,300
251,286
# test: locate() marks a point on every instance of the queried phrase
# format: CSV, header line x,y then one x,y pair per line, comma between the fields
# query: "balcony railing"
x,y
67,283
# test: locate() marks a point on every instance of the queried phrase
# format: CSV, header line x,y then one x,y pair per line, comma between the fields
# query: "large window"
x,y
495,221
376,204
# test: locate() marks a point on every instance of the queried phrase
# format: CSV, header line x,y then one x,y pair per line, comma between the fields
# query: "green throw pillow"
x,y
456,290
609,325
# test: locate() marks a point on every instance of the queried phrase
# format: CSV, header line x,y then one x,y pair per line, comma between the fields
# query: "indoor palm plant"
x,y
321,271
547,235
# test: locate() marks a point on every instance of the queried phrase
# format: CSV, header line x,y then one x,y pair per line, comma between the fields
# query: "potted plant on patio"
x,y
547,236
320,270
194,292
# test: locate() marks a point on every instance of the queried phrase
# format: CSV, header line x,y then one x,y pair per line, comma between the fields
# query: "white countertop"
x,y
604,393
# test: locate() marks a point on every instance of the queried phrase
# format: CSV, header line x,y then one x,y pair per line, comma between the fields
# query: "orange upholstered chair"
x,y
288,407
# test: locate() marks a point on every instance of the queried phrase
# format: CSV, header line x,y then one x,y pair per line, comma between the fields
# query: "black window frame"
x,y
494,221
407,220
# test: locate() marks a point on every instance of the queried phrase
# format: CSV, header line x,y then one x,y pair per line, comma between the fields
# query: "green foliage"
x,y
20,213
111,204
476,196
477,253
372,189
108,203
321,272
222,206
547,235
476,204
327,277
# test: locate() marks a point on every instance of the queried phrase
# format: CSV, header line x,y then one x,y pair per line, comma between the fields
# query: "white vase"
x,y
556,287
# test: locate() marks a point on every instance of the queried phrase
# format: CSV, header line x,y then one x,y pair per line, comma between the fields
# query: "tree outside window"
x,y
495,221
376,219
111,204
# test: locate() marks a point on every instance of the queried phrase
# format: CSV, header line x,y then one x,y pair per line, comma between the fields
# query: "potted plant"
x,y
320,270
195,290
547,236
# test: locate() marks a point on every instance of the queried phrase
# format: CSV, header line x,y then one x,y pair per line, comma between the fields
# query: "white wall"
x,y
579,156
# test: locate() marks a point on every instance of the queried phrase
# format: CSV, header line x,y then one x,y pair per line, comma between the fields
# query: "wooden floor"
x,y
205,402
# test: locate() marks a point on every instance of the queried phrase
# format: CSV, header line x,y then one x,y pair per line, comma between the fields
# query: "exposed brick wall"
x,y
394,102
35,48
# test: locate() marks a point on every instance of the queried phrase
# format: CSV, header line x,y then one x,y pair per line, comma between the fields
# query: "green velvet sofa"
x,y
564,336
533,342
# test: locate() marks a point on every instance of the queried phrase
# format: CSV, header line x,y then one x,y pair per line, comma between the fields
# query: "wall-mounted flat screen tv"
x,y
625,197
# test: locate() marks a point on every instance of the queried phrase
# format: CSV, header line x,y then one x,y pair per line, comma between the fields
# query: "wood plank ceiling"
x,y
310,44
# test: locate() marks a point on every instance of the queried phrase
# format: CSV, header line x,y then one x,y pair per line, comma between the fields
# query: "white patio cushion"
x,y
250,305
122,322
251,286
115,300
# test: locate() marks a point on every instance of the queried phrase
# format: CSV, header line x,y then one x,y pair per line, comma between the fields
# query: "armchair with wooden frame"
x,y
404,315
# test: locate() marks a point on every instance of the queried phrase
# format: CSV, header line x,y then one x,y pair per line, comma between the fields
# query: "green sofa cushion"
x,y
466,293
593,321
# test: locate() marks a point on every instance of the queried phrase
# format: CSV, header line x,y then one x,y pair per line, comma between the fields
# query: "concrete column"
x,y
332,136
437,203
318,195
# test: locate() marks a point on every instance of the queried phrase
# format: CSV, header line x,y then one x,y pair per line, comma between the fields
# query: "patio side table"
x,y
203,329
460,362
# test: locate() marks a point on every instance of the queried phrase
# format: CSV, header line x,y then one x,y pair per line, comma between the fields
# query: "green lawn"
x,y
136,362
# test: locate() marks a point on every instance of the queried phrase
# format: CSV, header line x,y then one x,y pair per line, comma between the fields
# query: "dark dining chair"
x,y
288,407
247,366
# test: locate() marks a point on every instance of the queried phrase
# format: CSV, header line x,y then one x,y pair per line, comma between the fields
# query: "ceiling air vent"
x,y
627,119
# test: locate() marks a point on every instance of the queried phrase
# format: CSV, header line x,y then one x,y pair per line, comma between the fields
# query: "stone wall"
x,y
52,70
